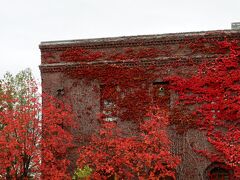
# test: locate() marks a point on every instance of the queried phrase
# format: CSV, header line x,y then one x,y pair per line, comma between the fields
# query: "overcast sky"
x,y
25,23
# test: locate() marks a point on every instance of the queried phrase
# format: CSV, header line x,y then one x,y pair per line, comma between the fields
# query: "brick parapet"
x,y
165,42
136,41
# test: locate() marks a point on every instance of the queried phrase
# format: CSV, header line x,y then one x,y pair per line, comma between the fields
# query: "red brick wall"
x,y
59,58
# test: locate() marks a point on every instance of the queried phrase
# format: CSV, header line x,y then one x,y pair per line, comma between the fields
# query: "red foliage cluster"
x,y
32,146
145,154
56,138
214,94
77,54
127,88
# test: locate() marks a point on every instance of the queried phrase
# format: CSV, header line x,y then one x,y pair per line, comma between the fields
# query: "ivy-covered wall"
x,y
120,79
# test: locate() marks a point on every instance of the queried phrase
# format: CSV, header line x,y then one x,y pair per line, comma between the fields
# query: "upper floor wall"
x,y
156,49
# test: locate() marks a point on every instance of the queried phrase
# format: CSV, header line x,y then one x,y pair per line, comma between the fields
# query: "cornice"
x,y
132,41
157,62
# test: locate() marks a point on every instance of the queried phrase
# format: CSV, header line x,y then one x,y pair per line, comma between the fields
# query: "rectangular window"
x,y
161,94
107,106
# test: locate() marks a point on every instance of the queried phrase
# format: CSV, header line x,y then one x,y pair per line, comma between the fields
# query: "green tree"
x,y
18,87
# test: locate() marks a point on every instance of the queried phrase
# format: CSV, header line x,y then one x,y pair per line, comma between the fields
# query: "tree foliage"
x,y
145,154
32,146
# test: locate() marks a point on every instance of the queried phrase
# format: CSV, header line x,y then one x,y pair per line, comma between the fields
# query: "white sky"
x,y
25,23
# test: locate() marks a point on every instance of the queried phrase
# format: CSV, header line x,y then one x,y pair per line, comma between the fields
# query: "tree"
x,y
16,87
214,95
143,155
32,146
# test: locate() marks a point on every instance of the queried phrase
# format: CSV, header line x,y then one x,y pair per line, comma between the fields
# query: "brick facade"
x,y
81,95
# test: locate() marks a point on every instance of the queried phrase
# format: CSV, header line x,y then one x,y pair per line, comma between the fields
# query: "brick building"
x,y
60,59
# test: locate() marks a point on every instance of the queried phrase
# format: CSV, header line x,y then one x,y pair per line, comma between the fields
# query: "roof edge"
x,y
133,39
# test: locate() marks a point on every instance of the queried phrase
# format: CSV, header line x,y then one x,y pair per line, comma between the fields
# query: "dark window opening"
x,y
60,92
161,94
160,83
219,173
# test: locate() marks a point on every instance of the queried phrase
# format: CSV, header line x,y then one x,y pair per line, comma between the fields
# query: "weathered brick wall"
x,y
83,95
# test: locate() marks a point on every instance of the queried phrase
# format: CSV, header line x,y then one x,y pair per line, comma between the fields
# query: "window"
x,y
108,106
218,171
161,94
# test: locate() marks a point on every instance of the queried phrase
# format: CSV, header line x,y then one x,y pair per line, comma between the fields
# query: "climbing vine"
x,y
135,86
213,93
